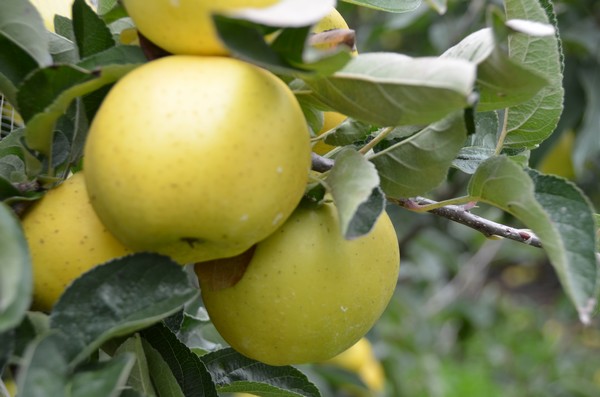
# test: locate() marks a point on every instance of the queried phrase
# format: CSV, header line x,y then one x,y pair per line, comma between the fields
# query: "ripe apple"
x,y
197,157
65,239
305,293
359,358
330,121
185,26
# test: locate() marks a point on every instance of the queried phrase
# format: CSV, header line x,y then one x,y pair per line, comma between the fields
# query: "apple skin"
x,y
307,294
330,120
65,239
197,157
185,27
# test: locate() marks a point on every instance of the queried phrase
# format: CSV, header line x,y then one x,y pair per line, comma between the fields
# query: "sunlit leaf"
x,y
388,5
389,89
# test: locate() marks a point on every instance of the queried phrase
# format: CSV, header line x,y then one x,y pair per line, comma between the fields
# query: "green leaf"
x,y
21,23
164,381
388,5
139,378
531,122
47,94
501,81
557,212
45,372
415,165
354,185
15,271
348,132
91,34
481,145
103,379
247,42
190,372
7,345
15,64
389,89
118,298
44,369
232,372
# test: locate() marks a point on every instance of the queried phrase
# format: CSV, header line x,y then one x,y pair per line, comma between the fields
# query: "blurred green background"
x,y
473,316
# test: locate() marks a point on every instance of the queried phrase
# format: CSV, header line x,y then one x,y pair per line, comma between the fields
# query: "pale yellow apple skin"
x,y
330,120
360,359
65,239
307,294
197,157
333,20
185,27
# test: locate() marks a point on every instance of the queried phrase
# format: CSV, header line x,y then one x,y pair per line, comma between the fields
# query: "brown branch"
x,y
461,215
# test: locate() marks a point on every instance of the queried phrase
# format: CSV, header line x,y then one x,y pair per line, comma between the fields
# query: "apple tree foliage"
x,y
135,326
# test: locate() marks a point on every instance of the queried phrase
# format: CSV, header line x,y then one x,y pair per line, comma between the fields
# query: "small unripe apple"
x,y
185,26
65,239
305,293
197,157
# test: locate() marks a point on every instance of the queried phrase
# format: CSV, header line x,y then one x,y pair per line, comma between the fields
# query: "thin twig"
x,y
461,215
456,213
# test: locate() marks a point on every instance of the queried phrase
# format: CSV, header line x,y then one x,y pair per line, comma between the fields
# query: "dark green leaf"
x,y
246,41
233,372
389,89
15,270
348,132
33,325
163,379
418,164
554,210
47,94
15,64
7,345
190,372
91,34
118,298
354,185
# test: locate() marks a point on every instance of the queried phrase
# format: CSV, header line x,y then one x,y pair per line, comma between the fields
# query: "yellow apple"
x,y
185,26
65,239
359,358
330,121
197,157
49,8
306,294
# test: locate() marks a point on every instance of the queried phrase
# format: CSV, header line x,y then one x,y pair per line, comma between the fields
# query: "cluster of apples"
x,y
205,158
